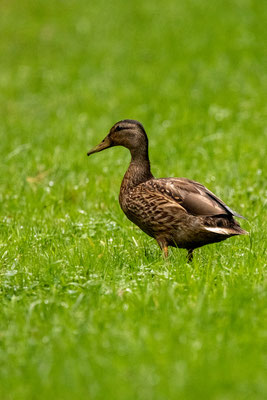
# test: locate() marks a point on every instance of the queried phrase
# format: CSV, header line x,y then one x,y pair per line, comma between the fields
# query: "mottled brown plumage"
x,y
175,211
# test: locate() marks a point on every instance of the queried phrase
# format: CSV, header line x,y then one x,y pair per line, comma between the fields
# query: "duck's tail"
x,y
231,231
224,226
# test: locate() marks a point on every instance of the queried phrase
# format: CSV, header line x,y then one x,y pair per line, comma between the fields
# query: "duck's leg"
x,y
165,251
190,255
164,247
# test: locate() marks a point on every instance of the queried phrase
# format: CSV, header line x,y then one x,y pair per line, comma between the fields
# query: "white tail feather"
x,y
220,231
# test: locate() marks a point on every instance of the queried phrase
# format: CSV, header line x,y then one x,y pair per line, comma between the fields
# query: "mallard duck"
x,y
176,212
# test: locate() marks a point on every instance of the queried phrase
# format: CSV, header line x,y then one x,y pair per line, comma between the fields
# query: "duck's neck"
x,y
138,170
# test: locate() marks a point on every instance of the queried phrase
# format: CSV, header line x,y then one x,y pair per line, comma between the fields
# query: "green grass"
x,y
89,309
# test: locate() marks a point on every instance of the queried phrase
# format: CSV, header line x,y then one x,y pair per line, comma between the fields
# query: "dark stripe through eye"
x,y
119,128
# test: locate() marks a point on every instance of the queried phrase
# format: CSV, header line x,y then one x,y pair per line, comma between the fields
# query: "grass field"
x,y
89,308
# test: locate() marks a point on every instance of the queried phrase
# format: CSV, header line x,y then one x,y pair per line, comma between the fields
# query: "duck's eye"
x,y
118,128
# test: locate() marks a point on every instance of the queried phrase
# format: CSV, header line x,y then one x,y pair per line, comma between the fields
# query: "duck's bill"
x,y
105,144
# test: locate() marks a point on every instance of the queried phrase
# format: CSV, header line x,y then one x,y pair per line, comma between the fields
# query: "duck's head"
x,y
128,133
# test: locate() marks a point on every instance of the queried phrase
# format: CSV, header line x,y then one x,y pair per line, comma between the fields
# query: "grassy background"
x,y
89,309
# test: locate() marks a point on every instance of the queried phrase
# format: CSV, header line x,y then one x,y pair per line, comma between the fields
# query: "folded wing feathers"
x,y
195,198
193,192
234,213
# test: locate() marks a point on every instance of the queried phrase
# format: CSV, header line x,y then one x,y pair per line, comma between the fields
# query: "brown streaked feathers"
x,y
175,211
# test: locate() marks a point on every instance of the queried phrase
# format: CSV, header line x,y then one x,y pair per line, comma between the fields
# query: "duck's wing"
x,y
195,198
